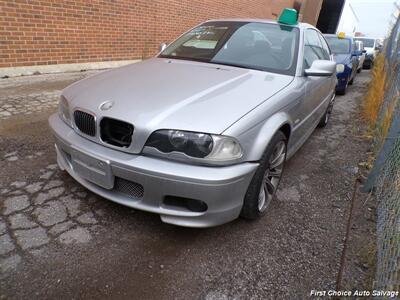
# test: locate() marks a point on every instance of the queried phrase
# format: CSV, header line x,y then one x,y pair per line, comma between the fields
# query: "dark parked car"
x,y
345,55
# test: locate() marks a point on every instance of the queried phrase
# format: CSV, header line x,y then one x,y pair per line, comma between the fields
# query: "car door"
x,y
360,53
363,51
354,60
318,90
330,81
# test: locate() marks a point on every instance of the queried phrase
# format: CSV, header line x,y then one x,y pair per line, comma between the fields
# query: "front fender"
x,y
255,140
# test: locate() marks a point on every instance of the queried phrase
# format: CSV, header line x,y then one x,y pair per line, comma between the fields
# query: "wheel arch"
x,y
286,129
260,140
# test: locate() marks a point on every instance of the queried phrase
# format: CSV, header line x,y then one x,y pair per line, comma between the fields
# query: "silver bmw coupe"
x,y
200,133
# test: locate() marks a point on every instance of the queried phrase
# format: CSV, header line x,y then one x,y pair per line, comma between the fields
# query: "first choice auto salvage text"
x,y
357,293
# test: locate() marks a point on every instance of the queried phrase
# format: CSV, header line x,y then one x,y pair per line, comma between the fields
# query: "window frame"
x,y
324,42
306,30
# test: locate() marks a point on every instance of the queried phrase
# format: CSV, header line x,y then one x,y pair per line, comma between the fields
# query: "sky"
x,y
374,16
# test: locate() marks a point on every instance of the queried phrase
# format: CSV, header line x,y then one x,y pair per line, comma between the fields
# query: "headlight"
x,y
339,68
197,145
63,110
225,148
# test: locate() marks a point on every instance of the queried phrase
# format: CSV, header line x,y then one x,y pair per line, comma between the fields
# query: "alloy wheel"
x,y
272,176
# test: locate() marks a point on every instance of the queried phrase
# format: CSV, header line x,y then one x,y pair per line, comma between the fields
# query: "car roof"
x,y
335,35
365,38
267,21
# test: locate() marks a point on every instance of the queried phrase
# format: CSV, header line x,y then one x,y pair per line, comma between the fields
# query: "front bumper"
x,y
221,188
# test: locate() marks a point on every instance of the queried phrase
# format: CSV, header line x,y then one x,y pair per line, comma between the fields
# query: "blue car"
x,y
346,58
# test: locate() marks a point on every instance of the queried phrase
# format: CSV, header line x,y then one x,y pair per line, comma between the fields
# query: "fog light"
x,y
186,203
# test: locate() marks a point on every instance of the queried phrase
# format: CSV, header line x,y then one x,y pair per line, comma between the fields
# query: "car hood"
x,y
175,94
342,58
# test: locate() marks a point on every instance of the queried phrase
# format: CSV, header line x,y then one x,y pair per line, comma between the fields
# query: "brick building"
x,y
53,32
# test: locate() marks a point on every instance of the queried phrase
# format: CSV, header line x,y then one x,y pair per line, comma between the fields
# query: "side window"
x,y
312,48
325,48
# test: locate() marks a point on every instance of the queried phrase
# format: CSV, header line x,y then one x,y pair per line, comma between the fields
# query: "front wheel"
x,y
264,184
342,91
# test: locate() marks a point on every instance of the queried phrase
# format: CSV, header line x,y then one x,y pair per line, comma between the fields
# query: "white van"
x,y
372,47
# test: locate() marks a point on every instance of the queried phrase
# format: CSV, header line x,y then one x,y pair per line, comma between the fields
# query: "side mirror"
x,y
364,51
162,47
321,68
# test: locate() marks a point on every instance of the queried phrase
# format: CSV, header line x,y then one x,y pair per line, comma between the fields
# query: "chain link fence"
x,y
384,178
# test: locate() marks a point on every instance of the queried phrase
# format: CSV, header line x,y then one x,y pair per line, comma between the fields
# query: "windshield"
x,y
338,46
260,46
369,43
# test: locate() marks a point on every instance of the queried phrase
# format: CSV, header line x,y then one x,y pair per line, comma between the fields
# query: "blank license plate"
x,y
91,168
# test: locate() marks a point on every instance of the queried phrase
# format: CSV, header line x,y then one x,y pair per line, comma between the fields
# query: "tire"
x,y
351,81
359,70
253,207
326,117
342,92
368,66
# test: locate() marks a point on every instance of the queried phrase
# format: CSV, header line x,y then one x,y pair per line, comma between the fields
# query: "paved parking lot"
x,y
58,240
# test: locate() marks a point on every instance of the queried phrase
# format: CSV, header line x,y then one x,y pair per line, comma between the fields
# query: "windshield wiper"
x,y
238,65
206,60
213,62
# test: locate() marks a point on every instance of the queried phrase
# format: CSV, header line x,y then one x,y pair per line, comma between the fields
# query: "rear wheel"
x,y
265,182
368,65
325,118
